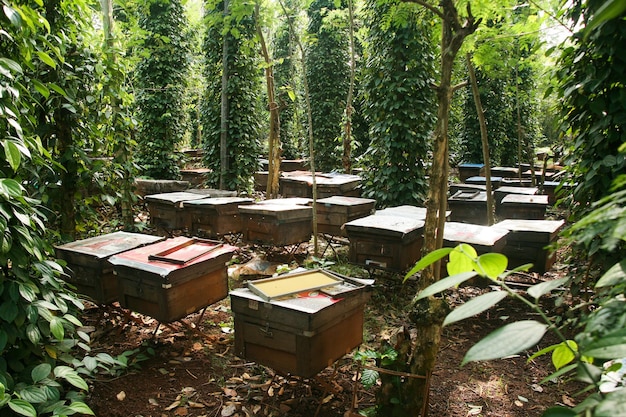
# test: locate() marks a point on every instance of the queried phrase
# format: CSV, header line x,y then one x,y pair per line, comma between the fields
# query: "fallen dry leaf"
x,y
228,410
172,405
229,392
152,401
194,404
181,411
121,396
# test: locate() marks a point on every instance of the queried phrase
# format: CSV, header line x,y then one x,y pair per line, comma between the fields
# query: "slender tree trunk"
x,y
224,109
347,140
483,136
274,148
427,316
310,121
122,152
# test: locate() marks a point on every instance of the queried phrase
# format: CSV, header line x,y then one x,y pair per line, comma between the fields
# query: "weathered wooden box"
x,y
87,262
166,209
528,242
213,217
495,181
467,170
299,335
195,176
333,212
276,224
414,212
171,279
484,239
455,187
519,206
505,190
388,242
469,207
300,184
504,172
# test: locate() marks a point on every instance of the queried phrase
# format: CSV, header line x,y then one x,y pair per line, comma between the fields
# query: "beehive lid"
x,y
212,192
394,226
218,201
507,189
469,195
405,211
279,211
482,180
174,198
531,230
163,258
290,201
473,234
540,200
103,246
338,200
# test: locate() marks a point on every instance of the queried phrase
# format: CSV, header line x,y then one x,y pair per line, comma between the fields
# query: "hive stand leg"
x,y
327,387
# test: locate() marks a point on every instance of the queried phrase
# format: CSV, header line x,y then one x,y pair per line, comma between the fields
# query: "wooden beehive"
x,y
454,188
88,268
469,207
504,172
467,170
171,279
213,217
195,176
388,242
166,209
276,224
333,212
483,238
519,206
495,181
300,334
300,184
528,242
505,190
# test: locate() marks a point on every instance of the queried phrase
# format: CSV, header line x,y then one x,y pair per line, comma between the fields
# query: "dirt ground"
x,y
190,369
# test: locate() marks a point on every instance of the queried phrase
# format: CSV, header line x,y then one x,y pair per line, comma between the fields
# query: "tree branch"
x,y
427,5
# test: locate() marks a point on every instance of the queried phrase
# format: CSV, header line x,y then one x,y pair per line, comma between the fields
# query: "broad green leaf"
x,y
475,306
545,287
40,372
8,311
11,65
444,284
369,377
34,395
58,89
81,407
461,259
33,333
564,354
492,264
507,340
11,187
74,379
542,352
609,10
41,88
12,15
46,59
607,348
427,260
612,405
22,407
559,412
56,327
615,275
90,362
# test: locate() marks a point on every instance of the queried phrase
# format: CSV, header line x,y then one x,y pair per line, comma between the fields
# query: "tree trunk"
x,y
310,121
483,136
347,140
224,109
274,148
428,314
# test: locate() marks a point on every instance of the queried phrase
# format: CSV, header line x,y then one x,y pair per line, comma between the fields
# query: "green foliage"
x,y
327,60
506,70
399,103
160,81
243,86
591,74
